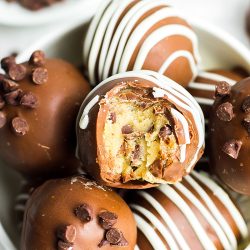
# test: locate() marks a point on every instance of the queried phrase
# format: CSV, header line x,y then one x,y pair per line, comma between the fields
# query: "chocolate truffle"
x,y
37,118
194,214
133,35
230,137
141,129
204,86
76,213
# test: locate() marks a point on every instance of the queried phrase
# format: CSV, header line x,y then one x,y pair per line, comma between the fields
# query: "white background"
x,y
227,14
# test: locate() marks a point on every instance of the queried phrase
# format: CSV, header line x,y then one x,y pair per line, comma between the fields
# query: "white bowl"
x,y
218,50
15,15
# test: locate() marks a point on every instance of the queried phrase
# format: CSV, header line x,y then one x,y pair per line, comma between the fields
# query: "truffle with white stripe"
x,y
194,214
139,129
129,35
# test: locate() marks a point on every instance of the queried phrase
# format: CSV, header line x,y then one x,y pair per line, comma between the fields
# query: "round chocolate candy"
x,y
139,129
133,35
37,118
229,133
76,213
194,214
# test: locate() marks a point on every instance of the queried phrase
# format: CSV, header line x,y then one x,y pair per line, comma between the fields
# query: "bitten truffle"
x,y
76,213
139,129
194,214
135,35
229,137
39,102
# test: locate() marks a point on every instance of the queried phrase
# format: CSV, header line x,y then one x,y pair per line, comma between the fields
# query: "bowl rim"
x,y
215,31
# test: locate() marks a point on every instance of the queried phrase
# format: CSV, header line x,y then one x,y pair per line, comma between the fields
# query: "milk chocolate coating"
x,y
47,146
94,142
63,202
196,214
230,144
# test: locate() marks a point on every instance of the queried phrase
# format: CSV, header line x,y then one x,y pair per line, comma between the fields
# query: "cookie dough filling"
x,y
138,135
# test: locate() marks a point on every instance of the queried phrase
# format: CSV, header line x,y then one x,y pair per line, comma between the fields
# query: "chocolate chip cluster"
x,y
66,234
11,92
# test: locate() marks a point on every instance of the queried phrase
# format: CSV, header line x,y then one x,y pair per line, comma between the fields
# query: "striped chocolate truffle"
x,y
133,35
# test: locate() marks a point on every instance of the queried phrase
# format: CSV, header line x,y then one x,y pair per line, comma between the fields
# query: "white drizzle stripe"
x,y
149,232
141,30
190,216
216,77
202,86
183,149
158,35
109,33
175,55
224,198
22,197
128,29
204,101
92,29
118,33
157,224
206,214
166,218
19,207
84,121
184,123
214,210
98,38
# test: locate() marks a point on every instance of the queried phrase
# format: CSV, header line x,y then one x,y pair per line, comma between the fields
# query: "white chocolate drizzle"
x,y
159,223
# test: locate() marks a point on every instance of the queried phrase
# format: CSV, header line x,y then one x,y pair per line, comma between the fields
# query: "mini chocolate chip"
x,y
222,89
246,105
67,233
165,132
9,85
37,58
225,112
127,129
107,219
151,129
40,75
84,212
64,245
232,148
246,124
6,62
19,126
3,119
136,154
113,236
29,100
112,117
13,98
17,72
2,102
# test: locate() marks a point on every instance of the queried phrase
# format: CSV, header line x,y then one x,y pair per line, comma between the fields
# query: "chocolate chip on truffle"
x,y
7,61
107,219
17,72
246,123
165,131
67,233
246,105
222,89
61,245
19,126
112,117
84,212
13,97
127,129
114,236
29,100
9,85
232,148
40,75
3,119
225,112
2,102
37,58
